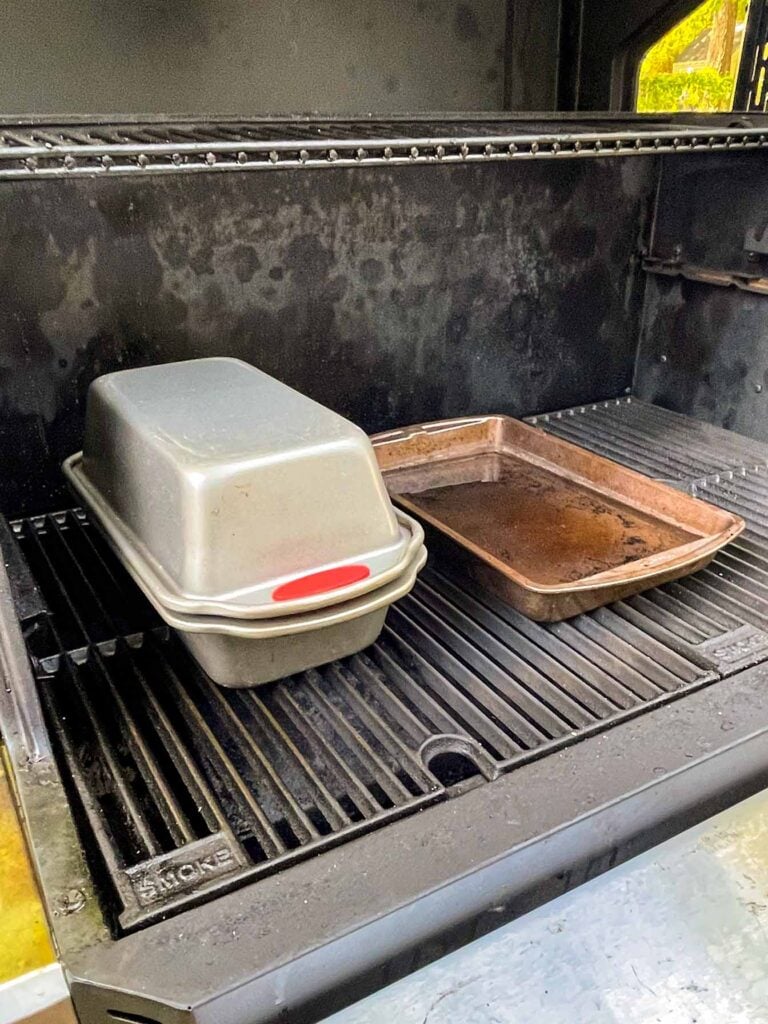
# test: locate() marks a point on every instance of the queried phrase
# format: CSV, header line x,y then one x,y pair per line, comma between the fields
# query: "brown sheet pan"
x,y
553,529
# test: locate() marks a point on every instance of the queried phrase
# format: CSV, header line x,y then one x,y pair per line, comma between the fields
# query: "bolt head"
x,y
70,902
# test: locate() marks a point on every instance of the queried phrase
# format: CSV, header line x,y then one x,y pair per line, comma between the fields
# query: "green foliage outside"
x,y
703,89
662,89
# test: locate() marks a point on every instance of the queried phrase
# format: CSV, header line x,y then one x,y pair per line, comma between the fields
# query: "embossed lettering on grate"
x,y
182,789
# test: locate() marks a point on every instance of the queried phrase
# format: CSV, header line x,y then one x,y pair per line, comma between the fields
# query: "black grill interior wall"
x,y
703,348
246,57
392,295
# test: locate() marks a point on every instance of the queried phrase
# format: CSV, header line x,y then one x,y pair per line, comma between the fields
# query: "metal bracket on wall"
x,y
758,284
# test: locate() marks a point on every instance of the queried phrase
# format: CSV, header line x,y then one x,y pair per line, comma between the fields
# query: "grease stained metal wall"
x,y
392,296
704,353
158,56
703,347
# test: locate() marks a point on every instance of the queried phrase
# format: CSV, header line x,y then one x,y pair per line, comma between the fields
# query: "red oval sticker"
x,y
321,582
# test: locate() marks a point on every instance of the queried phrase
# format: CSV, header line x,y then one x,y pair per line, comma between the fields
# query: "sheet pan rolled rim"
x,y
134,555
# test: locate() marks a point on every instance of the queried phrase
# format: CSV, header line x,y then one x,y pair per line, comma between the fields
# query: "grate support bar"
x,y
51,151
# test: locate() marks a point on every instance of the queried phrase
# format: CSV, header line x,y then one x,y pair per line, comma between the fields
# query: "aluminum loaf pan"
x,y
251,653
239,496
144,571
248,652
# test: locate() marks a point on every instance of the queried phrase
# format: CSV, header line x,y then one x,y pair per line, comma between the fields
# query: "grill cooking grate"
x,y
182,789
720,613
89,150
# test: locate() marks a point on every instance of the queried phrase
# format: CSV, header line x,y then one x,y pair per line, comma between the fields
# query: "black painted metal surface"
x,y
277,55
392,296
707,207
701,349
749,93
703,353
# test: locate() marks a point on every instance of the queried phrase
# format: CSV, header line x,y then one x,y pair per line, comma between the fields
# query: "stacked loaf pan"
x,y
255,520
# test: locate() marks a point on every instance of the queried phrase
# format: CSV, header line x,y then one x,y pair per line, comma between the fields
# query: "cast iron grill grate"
x,y
182,789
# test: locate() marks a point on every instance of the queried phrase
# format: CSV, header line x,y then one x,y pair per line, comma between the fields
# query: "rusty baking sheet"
x,y
553,529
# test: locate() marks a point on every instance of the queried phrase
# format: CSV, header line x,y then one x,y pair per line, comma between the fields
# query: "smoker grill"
x,y
242,856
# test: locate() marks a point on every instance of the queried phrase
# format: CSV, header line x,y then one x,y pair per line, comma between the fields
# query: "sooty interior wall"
x,y
247,57
392,295
703,350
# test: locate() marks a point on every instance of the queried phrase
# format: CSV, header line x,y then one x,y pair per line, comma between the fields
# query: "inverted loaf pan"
x,y
249,654
240,495
135,555
553,529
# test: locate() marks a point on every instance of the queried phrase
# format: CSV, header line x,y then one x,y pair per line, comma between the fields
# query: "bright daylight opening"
x,y
693,66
